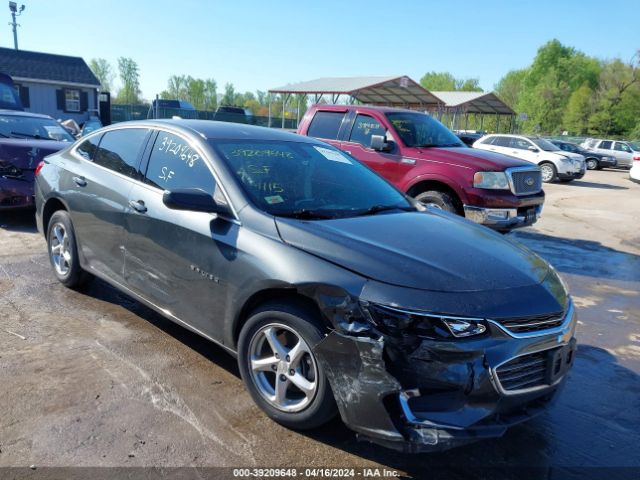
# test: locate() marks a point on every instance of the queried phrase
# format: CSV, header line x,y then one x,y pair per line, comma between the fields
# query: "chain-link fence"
x,y
123,113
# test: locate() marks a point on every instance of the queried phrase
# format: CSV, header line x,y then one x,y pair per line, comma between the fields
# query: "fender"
x,y
452,184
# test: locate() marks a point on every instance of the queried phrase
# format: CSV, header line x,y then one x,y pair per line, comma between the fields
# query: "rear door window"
x,y
326,125
501,141
364,128
120,150
605,144
174,164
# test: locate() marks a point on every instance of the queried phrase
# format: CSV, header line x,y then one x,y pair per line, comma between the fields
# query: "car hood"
x,y
476,159
27,153
430,250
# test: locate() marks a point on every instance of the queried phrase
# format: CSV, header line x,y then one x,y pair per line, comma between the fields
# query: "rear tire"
x,y
437,199
63,251
294,390
549,172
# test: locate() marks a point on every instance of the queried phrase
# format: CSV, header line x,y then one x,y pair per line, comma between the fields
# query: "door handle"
x,y
80,181
138,206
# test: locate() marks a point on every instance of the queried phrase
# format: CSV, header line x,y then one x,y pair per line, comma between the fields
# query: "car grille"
x,y
526,182
528,371
532,324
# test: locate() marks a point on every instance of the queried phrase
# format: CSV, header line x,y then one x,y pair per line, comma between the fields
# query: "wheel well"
x,y
271,295
52,206
428,185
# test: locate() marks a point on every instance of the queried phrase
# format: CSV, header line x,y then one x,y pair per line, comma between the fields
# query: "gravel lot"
x,y
93,378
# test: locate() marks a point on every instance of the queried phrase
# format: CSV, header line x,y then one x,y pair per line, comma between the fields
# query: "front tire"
x,y
280,369
63,251
437,199
549,172
592,164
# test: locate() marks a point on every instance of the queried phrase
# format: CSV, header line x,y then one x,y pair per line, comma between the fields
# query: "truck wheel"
x,y
549,172
437,199
592,164
279,366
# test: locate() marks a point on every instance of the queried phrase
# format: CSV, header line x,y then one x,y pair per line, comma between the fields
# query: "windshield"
x,y
635,146
90,126
307,181
421,130
545,145
18,126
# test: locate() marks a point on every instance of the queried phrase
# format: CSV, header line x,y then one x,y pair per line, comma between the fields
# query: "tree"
x,y
129,74
578,111
210,94
510,87
103,72
229,95
446,82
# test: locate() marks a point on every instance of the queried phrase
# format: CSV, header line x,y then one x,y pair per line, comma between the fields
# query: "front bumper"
x,y
419,395
503,218
573,175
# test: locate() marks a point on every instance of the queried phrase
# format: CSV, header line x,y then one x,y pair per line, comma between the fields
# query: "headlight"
x,y
401,323
492,180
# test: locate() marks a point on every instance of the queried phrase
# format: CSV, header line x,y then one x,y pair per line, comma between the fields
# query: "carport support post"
x,y
497,123
482,121
269,121
285,98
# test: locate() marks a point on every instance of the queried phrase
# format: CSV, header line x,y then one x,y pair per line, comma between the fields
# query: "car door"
x,y
179,260
605,147
358,143
500,144
104,169
623,153
524,149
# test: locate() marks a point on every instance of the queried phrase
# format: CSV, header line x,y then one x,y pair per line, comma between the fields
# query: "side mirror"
x,y
379,143
532,149
192,199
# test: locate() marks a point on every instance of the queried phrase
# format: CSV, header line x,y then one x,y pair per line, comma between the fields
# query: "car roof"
x,y
18,113
221,130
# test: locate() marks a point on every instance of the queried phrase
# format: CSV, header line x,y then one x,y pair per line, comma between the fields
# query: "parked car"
x,y
25,139
425,160
227,113
554,163
335,291
621,150
634,173
469,138
594,160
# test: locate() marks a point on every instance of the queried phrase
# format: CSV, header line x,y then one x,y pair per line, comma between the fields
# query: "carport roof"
x,y
394,90
475,102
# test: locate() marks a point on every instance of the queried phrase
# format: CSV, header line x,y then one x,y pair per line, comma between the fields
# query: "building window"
x,y
72,100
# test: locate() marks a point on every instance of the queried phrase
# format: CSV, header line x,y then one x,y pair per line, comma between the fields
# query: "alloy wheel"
x,y
283,368
592,164
59,249
547,173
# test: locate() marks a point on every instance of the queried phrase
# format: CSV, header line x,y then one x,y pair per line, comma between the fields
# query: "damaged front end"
x,y
417,381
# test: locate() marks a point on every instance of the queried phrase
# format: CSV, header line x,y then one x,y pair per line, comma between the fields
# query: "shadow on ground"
x,y
19,221
603,186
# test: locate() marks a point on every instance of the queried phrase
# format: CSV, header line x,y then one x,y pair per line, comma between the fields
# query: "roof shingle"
x,y
46,66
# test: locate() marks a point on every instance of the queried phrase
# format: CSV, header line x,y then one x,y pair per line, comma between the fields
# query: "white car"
x,y
555,164
634,173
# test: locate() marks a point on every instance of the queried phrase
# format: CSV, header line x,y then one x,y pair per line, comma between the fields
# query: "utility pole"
x,y
13,6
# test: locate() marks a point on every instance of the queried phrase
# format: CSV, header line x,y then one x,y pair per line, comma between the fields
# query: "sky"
x,y
257,45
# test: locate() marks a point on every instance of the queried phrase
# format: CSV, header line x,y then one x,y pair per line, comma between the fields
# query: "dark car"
x,y
424,159
336,292
25,139
227,113
594,160
468,138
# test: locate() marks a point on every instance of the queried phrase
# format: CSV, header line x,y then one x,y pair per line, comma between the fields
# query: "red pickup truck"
x,y
427,161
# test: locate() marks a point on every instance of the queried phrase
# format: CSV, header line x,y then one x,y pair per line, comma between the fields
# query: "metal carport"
x,y
461,104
